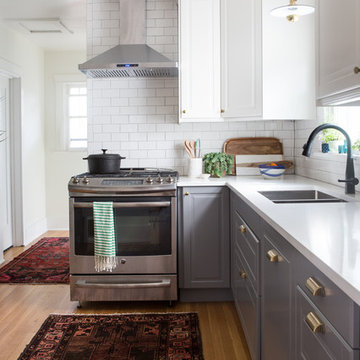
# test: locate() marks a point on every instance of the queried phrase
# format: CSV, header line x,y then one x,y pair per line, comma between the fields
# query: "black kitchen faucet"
x,y
350,179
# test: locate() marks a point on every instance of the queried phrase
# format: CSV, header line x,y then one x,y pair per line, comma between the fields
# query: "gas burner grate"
x,y
135,173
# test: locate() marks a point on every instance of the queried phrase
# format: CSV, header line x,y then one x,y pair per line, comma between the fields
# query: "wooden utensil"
x,y
188,148
193,147
252,146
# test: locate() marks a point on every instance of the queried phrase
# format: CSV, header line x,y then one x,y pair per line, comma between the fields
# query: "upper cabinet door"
x,y
241,87
338,46
199,60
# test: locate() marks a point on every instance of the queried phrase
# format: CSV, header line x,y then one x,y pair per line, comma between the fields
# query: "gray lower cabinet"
x,y
287,307
245,274
316,337
277,305
203,236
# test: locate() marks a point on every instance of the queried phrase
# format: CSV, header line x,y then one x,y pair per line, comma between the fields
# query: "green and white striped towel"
x,y
104,236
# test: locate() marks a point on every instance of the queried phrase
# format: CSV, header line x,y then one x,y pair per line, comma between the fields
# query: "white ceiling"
x,y
60,15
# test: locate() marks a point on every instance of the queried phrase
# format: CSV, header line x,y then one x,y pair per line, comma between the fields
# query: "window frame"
x,y
62,84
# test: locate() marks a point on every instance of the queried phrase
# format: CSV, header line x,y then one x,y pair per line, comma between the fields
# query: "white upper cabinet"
x,y
237,62
241,90
199,60
338,46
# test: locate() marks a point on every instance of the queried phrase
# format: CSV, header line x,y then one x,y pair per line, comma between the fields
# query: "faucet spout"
x,y
350,179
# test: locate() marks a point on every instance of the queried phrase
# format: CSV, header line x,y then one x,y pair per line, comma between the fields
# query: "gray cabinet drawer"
x,y
247,213
249,247
337,307
247,304
326,344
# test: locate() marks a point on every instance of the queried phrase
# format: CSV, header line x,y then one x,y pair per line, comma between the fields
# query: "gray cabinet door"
x,y
277,298
204,254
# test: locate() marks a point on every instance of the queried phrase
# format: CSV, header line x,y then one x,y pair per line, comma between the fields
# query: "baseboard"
x,y
34,230
195,295
58,223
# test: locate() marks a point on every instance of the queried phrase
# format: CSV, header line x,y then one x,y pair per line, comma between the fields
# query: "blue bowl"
x,y
272,172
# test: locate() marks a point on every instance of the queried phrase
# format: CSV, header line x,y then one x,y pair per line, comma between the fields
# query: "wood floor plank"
x,y
23,308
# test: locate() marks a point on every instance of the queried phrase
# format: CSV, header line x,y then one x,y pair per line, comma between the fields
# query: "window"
x,y
71,113
347,117
76,115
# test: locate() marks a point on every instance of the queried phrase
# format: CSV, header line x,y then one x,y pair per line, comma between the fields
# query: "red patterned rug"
x,y
46,262
167,336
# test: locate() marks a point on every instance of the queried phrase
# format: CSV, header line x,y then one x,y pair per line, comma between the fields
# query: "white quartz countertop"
x,y
327,234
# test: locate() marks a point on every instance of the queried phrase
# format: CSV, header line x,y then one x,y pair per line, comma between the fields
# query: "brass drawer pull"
x,y
243,274
315,287
184,111
242,228
314,323
273,256
187,193
356,70
222,111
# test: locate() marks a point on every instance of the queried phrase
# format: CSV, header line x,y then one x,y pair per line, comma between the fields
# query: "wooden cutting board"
x,y
252,146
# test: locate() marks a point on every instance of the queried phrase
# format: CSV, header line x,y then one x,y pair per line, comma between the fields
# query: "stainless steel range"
x,y
144,202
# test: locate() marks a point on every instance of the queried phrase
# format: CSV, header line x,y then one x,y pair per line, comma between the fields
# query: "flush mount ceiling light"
x,y
41,26
292,11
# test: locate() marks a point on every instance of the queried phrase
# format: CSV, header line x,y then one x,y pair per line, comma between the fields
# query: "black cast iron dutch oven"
x,y
104,163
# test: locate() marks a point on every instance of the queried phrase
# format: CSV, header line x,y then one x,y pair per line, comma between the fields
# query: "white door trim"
x,y
13,73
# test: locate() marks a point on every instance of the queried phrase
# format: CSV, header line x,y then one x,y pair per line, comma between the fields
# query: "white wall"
x,y
30,59
138,118
60,165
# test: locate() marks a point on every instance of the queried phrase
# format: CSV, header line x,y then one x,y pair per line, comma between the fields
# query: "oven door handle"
x,y
114,285
147,204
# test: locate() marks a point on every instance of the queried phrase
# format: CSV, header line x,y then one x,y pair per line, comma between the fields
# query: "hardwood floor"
x,y
23,308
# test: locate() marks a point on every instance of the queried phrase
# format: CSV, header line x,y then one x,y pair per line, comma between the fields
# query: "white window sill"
x,y
333,156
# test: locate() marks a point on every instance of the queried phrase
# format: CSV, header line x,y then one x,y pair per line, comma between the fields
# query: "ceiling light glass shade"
x,y
292,11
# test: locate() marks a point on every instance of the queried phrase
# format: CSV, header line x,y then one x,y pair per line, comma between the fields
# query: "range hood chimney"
x,y
132,58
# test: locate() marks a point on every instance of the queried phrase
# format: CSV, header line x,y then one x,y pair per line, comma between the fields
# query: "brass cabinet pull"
x,y
222,111
243,274
273,256
184,111
315,287
187,193
314,323
356,69
242,228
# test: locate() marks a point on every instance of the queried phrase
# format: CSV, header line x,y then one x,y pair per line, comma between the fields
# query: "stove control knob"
x,y
75,180
159,179
149,180
170,179
85,180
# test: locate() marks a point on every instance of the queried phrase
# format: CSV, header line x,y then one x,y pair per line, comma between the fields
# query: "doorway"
x,y
5,188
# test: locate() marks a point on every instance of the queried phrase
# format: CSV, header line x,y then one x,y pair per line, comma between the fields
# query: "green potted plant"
x,y
218,164
356,147
331,137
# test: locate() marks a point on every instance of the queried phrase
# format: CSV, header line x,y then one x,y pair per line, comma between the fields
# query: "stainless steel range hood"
x,y
132,58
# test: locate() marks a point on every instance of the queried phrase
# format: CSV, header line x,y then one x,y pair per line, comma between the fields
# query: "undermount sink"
x,y
299,196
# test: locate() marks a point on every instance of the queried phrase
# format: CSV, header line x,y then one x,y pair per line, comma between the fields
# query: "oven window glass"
x,y
138,231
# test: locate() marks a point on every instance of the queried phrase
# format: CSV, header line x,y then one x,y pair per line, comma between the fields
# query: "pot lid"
x,y
104,156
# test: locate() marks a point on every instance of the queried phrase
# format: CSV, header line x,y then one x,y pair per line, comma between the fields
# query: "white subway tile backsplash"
x,y
137,136
138,118
119,136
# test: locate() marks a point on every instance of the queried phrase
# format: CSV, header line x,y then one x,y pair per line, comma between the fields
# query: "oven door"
x,y
145,233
